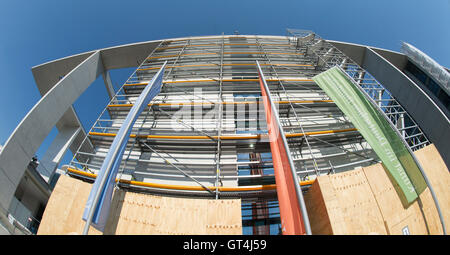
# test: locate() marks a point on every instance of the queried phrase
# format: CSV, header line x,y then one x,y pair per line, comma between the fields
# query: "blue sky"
x,y
34,32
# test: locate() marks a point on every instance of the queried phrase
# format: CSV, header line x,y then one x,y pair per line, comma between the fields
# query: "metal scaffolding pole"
x,y
319,47
183,172
219,119
295,114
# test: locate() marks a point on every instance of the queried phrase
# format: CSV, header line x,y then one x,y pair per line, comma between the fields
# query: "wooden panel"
x,y
65,208
350,206
135,213
224,217
360,214
317,210
148,214
421,217
395,215
439,177
364,201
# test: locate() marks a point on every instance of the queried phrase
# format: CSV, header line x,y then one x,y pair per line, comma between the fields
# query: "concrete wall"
x,y
37,124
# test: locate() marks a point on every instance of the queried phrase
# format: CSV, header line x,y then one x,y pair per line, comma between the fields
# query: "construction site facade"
x,y
201,149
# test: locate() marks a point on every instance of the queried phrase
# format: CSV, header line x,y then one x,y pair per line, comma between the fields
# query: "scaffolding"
x,y
204,135
328,56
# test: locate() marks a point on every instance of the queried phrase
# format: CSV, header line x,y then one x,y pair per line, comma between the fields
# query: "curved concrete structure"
x,y
62,81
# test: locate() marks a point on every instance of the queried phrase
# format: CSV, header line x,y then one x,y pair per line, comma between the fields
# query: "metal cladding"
x,y
432,67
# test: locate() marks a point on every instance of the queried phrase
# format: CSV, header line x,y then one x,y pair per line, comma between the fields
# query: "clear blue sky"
x,y
34,32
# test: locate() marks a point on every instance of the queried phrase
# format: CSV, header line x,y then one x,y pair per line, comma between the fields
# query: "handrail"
x,y
236,64
227,53
226,44
212,80
225,103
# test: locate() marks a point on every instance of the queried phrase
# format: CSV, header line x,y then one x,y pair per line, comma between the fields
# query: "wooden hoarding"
x,y
136,213
366,201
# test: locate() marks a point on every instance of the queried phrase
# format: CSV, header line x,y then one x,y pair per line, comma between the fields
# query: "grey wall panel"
x,y
130,55
418,104
357,53
354,51
56,151
397,59
48,74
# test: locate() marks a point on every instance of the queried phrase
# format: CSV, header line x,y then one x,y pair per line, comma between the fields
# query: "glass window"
x,y
429,83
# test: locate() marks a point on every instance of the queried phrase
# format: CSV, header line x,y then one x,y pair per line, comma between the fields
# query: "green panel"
x,y
377,131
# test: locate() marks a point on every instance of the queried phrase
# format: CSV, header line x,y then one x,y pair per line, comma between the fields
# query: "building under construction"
x,y
203,157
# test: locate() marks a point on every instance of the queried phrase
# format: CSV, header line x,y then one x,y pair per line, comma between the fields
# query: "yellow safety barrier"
x,y
218,44
204,65
223,80
224,137
226,53
185,187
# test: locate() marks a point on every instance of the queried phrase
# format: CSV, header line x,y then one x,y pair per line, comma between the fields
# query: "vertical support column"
x,y
401,124
380,97
219,120
56,151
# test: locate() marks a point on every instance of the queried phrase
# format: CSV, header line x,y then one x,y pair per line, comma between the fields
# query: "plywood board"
x,y
439,177
222,220
65,208
420,217
360,214
395,215
136,213
348,203
365,201
317,209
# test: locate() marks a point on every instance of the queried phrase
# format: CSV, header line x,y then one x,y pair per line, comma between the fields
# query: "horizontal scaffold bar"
x,y
225,103
227,53
218,65
224,37
224,137
224,80
185,187
225,44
